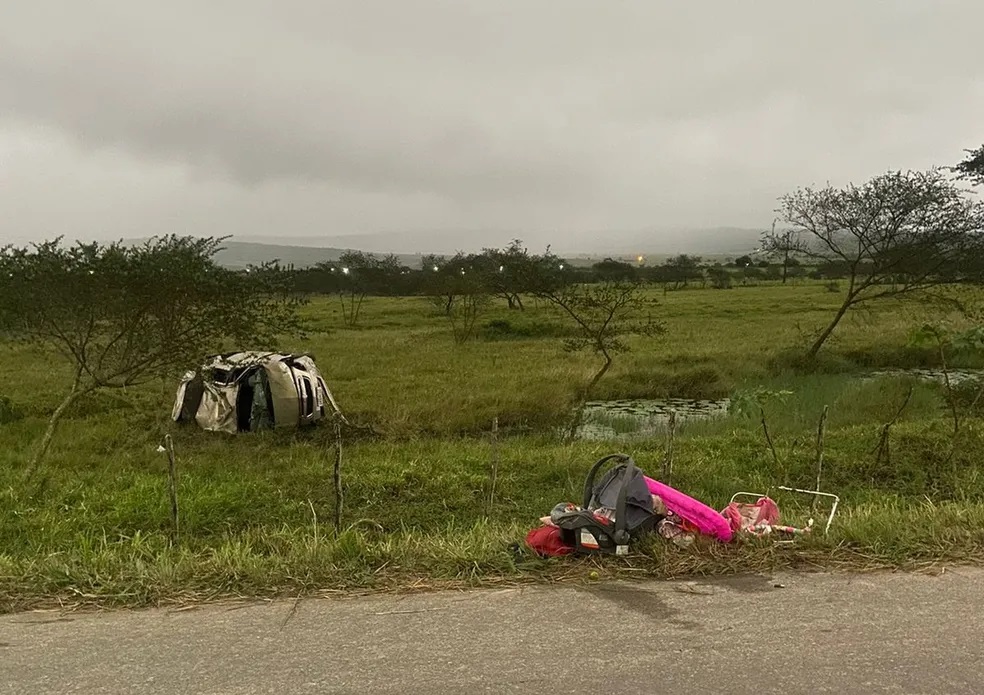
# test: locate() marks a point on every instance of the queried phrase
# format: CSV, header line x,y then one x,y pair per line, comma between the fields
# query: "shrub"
x,y
8,411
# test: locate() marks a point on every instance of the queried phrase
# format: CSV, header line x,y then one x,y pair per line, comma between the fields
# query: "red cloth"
x,y
548,542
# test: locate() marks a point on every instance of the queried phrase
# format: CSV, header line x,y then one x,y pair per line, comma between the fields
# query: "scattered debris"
x,y
618,510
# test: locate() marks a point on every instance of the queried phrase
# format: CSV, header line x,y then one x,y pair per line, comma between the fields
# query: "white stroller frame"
x,y
815,493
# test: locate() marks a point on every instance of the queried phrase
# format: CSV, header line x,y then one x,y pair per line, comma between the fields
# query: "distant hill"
x,y
302,252
239,254
714,241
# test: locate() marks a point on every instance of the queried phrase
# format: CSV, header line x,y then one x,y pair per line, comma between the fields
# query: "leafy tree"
x,y
611,270
430,263
506,271
743,261
547,272
441,279
322,278
751,272
795,271
898,234
459,289
123,315
362,274
720,277
972,168
682,270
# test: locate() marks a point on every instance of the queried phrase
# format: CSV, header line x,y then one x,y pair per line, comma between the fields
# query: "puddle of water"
x,y
957,376
641,418
647,418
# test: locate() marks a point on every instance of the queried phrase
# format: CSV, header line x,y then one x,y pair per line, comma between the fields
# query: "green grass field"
x,y
93,525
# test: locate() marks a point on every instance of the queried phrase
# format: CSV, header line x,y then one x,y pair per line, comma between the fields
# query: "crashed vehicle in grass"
x,y
249,391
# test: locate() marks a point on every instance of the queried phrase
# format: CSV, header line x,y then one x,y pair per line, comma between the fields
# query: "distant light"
x,y
640,259
561,266
501,268
92,272
345,270
435,268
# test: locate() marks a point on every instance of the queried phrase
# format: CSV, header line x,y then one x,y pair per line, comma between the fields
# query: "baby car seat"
x,y
616,510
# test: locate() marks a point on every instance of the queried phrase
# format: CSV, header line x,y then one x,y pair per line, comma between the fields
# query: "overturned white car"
x,y
249,391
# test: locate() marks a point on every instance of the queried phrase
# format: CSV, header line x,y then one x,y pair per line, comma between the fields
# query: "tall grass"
x,y
94,525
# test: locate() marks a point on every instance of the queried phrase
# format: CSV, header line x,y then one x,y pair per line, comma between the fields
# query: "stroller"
x,y
616,510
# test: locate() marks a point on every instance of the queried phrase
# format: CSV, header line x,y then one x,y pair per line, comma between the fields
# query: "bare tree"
x,y
460,290
123,315
362,274
782,246
900,233
605,314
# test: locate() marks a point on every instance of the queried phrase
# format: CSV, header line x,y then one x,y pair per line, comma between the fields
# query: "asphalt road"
x,y
886,633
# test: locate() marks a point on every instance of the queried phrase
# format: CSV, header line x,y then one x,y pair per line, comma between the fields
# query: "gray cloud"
x,y
549,119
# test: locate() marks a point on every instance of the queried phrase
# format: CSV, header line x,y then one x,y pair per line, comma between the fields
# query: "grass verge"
x,y
257,523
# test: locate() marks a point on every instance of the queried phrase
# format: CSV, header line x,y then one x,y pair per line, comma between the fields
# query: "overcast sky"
x,y
555,120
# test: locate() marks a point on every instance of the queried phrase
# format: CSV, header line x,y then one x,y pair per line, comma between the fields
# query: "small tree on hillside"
x,y
605,314
121,315
898,234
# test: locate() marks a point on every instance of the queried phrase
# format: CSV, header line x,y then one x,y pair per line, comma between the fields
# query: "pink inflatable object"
x,y
708,521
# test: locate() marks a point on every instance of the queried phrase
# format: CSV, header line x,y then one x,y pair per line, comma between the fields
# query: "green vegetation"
x,y
425,360
93,526
121,316
899,233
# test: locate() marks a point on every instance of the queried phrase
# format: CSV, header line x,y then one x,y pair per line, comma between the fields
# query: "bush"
x,y
697,382
720,278
8,411
519,328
